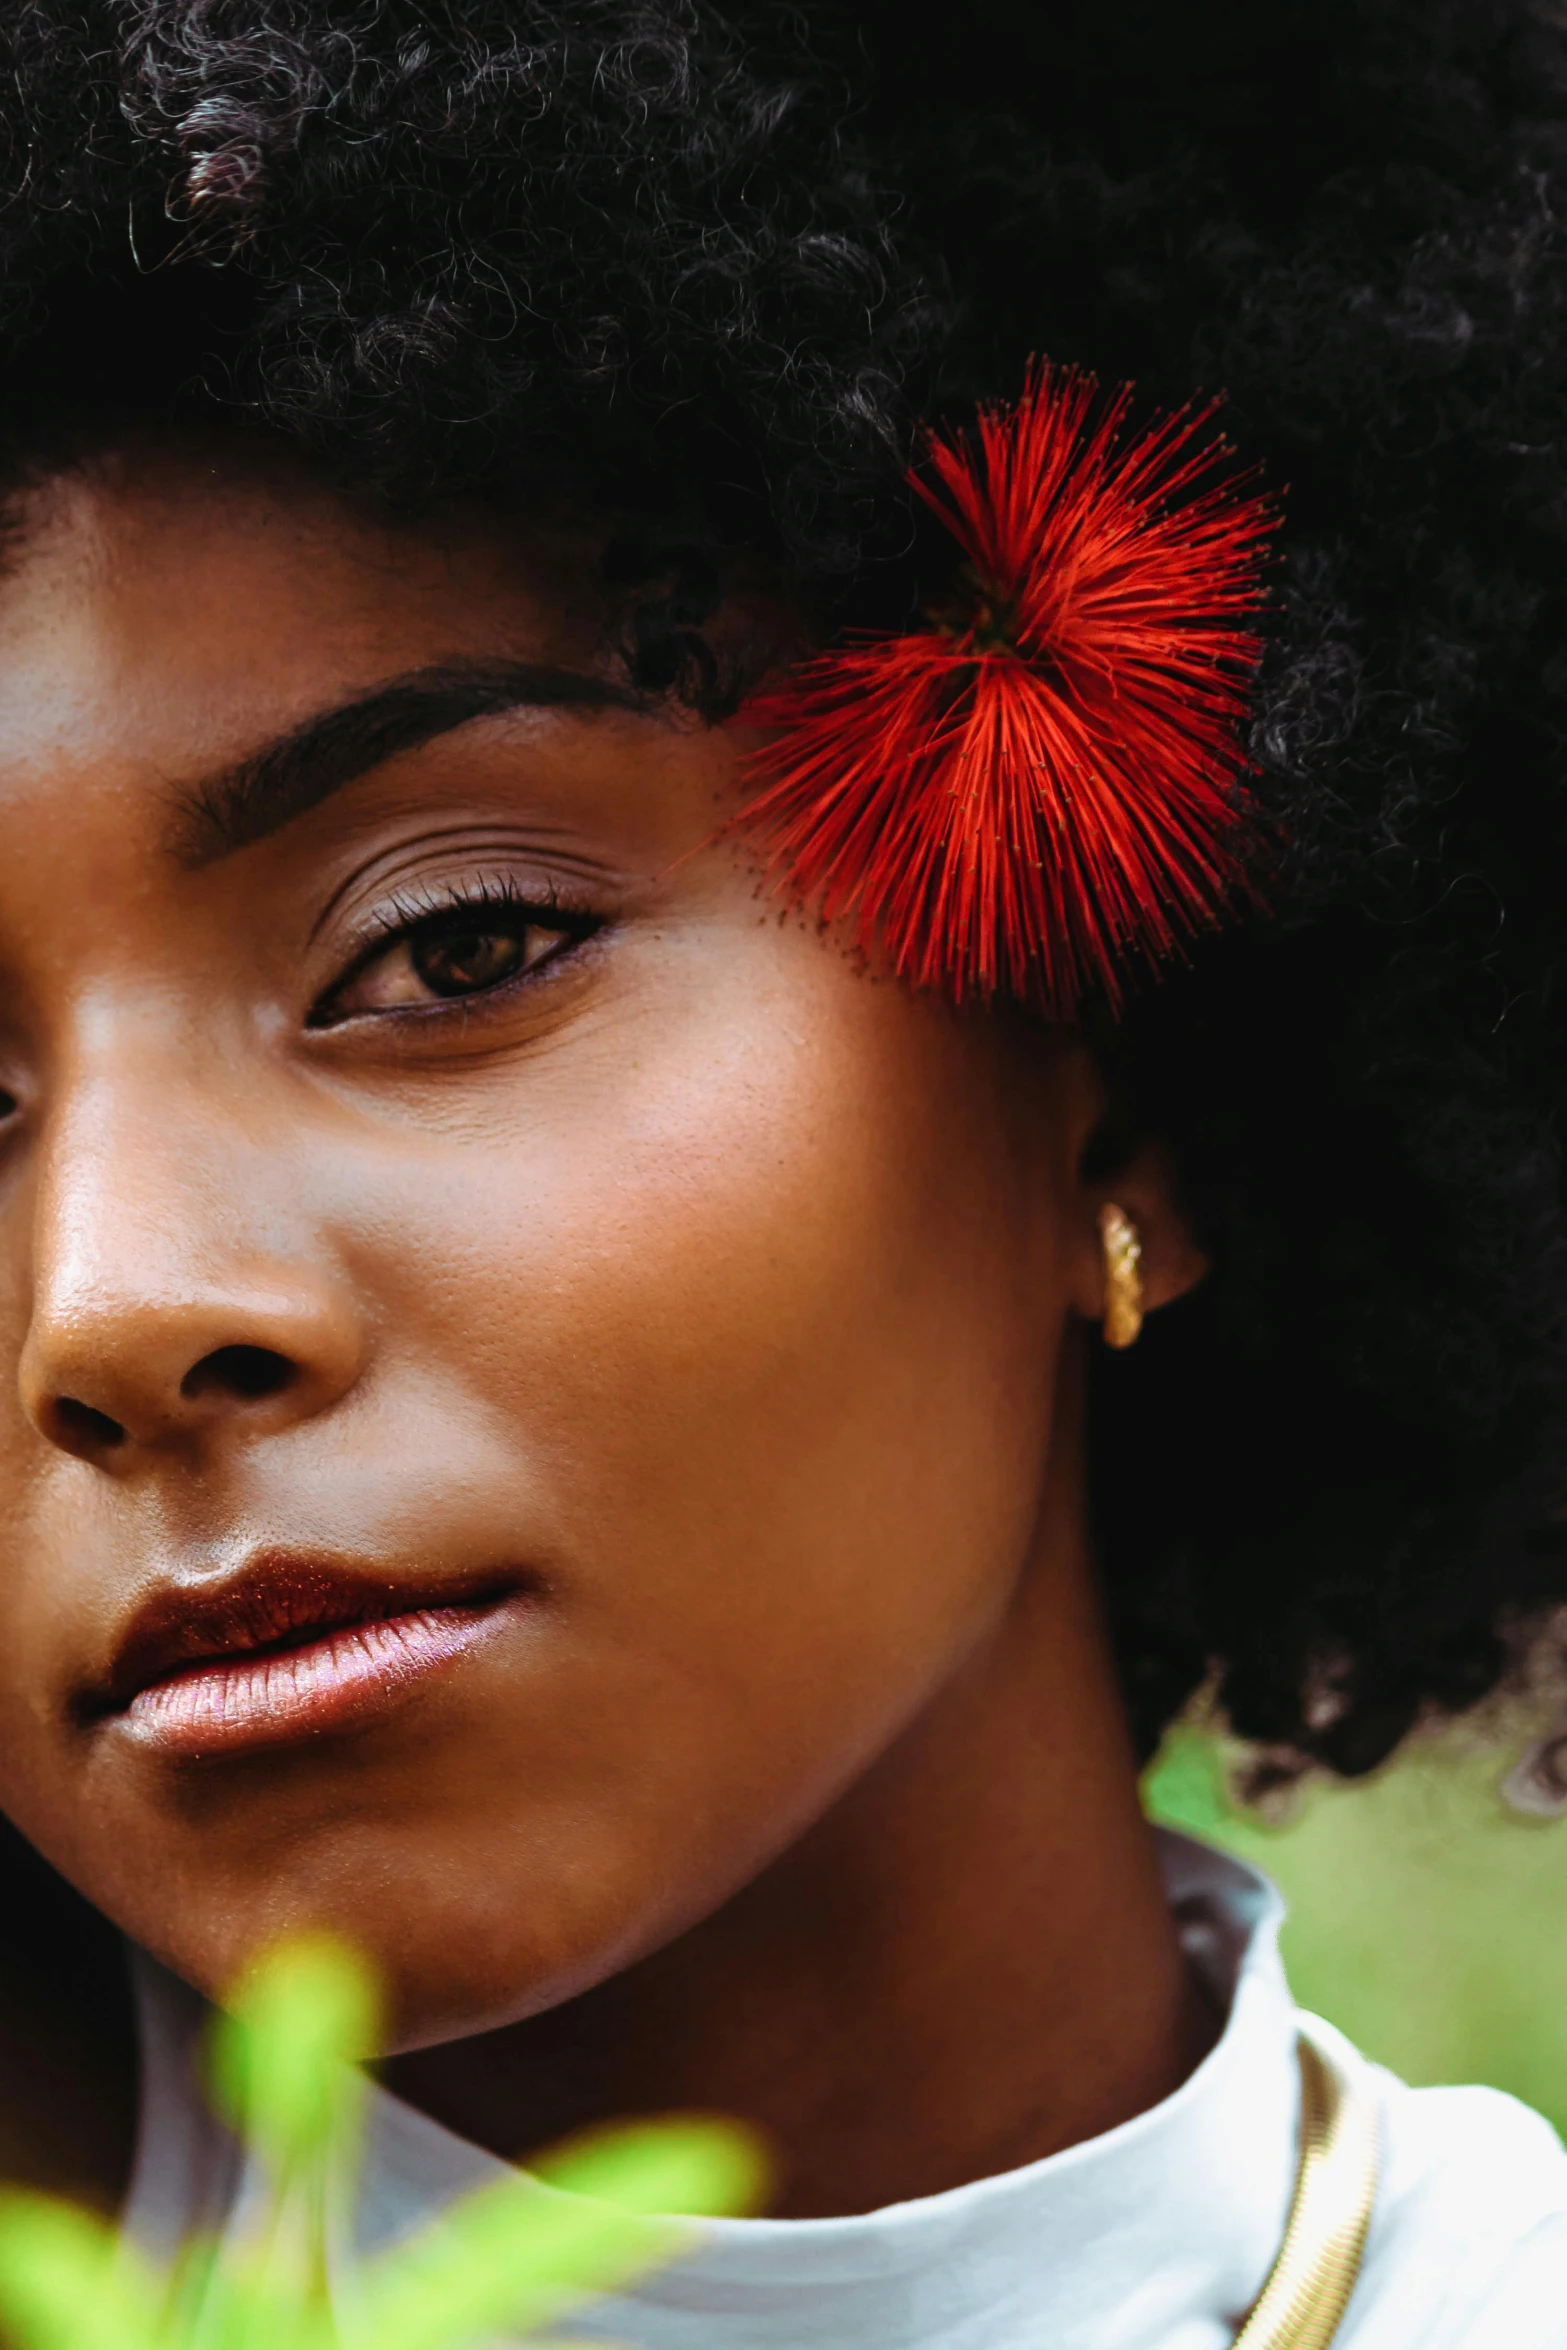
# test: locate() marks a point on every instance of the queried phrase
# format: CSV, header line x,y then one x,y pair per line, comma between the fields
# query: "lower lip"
x,y
341,1681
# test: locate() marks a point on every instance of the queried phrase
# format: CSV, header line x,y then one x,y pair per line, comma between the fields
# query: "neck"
x,y
967,1964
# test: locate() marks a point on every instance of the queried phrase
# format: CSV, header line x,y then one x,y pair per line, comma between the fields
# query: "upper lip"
x,y
278,1601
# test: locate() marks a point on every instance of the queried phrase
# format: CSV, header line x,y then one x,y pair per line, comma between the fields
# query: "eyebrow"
x,y
295,772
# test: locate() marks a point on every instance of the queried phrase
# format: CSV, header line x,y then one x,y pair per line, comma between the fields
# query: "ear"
x,y
1143,1187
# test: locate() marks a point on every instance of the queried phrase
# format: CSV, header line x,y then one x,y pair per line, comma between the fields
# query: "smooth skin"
x,y
727,1303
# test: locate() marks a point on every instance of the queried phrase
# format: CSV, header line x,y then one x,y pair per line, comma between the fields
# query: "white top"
x,y
1156,2236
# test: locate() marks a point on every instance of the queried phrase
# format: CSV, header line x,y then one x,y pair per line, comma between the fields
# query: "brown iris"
x,y
465,962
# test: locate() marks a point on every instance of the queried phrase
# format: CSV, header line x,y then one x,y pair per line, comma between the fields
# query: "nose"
x,y
179,1297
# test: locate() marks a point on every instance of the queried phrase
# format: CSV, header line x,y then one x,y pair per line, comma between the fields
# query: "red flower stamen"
x,y
1045,783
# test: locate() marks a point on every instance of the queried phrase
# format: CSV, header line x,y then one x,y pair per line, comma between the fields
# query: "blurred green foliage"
x,y
1426,1918
285,2071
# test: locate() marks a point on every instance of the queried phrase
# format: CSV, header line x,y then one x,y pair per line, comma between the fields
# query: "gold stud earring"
x,y
1123,1255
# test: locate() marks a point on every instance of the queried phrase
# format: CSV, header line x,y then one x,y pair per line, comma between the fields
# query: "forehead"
x,y
166,607
196,656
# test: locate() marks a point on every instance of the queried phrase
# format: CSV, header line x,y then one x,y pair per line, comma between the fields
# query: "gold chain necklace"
x,y
1306,2294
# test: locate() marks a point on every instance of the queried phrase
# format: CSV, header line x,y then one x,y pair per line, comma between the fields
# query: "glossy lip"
x,y
285,1650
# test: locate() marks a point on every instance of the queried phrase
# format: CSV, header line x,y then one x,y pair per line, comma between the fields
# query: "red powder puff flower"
x,y
1044,783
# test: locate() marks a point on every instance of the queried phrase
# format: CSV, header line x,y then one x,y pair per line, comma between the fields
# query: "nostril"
x,y
83,1428
248,1372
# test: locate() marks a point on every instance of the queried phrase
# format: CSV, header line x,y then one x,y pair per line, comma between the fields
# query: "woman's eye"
x,y
462,956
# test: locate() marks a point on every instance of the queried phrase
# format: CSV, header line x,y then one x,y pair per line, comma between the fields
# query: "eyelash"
x,y
427,912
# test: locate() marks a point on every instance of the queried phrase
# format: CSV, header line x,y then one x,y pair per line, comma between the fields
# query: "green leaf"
x,y
284,2058
68,2283
691,2169
508,2256
519,2253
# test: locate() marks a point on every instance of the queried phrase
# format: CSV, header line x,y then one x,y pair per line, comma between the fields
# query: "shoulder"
x,y
1468,2242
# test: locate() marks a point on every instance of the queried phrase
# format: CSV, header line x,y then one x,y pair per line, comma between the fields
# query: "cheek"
x,y
769,1310
780,1272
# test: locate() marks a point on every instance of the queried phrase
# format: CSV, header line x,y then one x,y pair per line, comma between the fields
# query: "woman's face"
x,y
529,1368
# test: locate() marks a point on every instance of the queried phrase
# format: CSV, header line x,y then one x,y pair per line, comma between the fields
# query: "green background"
x,y
1427,1919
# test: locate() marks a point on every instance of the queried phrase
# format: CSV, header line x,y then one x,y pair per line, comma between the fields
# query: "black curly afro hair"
x,y
699,270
